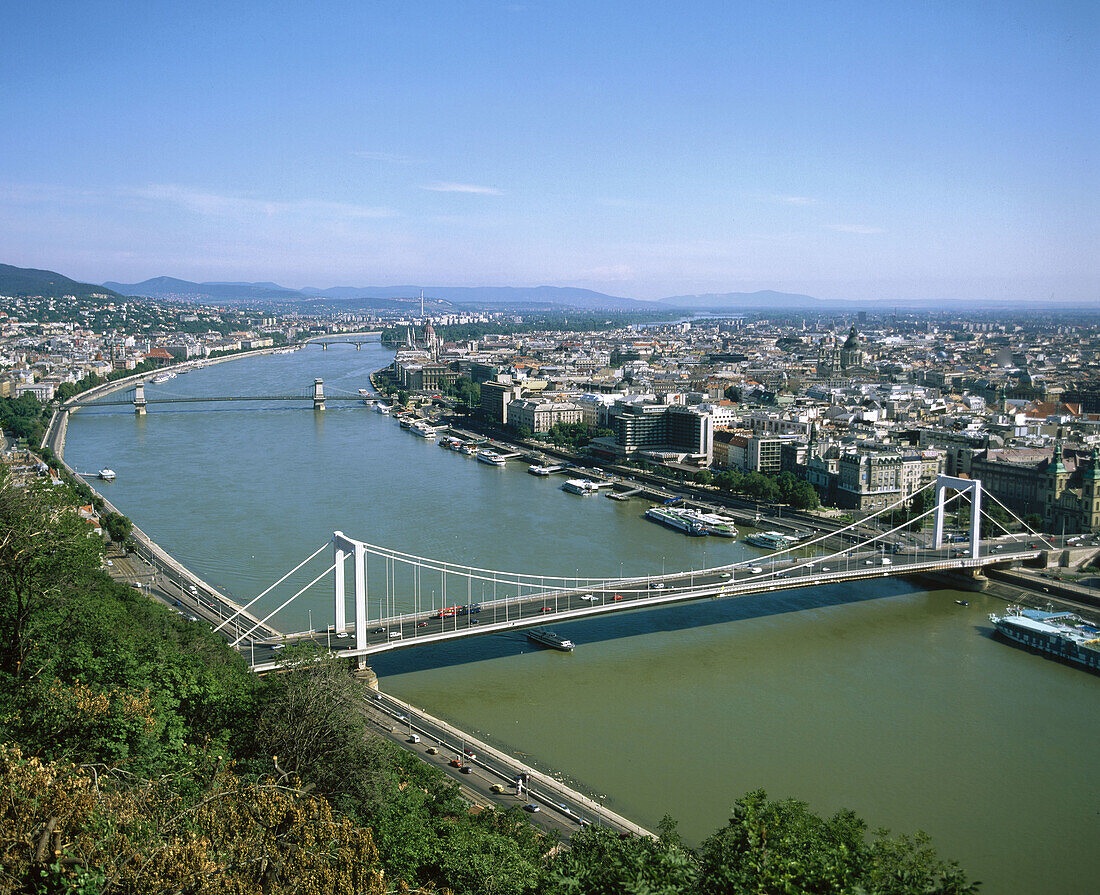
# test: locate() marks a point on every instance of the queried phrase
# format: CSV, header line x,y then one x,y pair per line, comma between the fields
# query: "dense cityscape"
x,y
865,410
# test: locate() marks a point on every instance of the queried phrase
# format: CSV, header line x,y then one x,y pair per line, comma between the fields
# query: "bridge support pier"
x,y
318,394
139,399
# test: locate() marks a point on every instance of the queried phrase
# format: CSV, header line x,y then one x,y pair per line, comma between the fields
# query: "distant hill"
x,y
170,287
47,283
765,300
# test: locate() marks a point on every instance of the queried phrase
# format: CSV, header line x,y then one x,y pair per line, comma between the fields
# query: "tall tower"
x,y
1090,493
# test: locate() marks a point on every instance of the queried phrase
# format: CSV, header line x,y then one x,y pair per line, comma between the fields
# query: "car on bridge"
x,y
532,807
547,609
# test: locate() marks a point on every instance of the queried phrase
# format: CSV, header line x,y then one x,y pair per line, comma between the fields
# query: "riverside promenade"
x,y
562,809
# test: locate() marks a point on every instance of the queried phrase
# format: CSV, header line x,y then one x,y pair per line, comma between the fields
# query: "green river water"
x,y
880,697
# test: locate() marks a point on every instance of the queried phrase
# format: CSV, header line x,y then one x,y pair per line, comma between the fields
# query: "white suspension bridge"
x,y
400,599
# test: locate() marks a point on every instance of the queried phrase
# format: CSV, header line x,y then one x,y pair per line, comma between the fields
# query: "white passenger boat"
x,y
108,475
423,429
715,523
491,457
770,540
673,518
550,639
583,487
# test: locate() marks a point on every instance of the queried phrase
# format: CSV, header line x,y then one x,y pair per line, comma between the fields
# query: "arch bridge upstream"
x,y
451,601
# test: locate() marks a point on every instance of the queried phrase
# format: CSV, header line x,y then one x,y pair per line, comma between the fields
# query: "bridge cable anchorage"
x,y
264,621
272,587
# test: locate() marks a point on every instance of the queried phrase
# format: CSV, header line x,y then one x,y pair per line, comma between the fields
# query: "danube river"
x,y
880,697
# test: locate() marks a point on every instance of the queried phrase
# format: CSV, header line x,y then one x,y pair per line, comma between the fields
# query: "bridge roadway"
x,y
602,597
129,401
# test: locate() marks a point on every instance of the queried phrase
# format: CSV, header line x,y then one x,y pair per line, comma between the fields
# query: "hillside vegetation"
x,y
16,281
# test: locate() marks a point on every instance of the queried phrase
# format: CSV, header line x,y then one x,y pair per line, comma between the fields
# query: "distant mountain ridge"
x,y
555,296
25,281
170,287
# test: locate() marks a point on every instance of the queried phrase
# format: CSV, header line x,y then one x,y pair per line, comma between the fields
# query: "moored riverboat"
x,y
770,540
583,487
540,469
490,457
673,518
1061,635
715,523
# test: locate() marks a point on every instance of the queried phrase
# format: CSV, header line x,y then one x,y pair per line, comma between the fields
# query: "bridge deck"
x,y
539,609
198,400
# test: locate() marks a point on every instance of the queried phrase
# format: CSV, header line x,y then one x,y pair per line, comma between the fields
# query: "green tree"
x,y
781,847
44,551
311,724
703,477
23,418
804,497
118,527
599,862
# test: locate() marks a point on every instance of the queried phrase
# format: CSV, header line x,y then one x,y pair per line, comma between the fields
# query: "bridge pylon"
x,y
318,394
139,399
974,486
341,547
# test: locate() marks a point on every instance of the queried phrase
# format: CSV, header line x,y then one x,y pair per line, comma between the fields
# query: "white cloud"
x,y
220,205
386,157
461,188
855,228
795,200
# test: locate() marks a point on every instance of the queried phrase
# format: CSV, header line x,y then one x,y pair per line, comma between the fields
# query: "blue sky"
x,y
846,150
